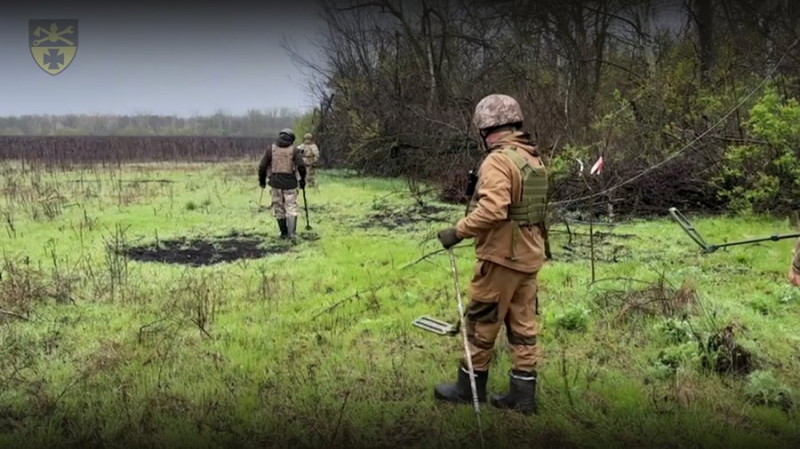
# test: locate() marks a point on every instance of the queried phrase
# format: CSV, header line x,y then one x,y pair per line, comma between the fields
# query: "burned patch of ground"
x,y
393,217
201,251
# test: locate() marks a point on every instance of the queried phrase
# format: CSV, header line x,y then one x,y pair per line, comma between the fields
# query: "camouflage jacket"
x,y
310,154
499,185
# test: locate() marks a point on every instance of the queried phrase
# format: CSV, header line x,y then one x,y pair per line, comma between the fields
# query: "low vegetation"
x,y
128,319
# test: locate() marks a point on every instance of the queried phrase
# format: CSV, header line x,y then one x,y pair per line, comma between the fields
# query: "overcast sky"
x,y
135,57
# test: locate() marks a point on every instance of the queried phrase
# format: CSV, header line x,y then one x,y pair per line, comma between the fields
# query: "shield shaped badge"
x,y
53,43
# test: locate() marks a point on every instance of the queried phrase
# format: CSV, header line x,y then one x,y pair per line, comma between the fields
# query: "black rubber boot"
x,y
521,395
284,229
461,391
291,224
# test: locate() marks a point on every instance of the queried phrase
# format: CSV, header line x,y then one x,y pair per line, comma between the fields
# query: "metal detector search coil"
x,y
436,326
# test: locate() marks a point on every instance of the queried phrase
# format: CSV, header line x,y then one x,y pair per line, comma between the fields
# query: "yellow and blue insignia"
x,y
53,43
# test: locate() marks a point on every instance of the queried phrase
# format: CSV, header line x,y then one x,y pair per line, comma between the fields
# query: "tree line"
x,y
69,151
255,123
690,102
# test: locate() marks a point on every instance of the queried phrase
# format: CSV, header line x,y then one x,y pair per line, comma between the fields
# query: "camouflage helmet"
x,y
308,136
288,132
496,110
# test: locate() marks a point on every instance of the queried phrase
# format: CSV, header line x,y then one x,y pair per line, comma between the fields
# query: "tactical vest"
x,y
282,159
531,209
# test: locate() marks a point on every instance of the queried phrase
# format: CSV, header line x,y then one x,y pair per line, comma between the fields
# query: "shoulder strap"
x,y
512,154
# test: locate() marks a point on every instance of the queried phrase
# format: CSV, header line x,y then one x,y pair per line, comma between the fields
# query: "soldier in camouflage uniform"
x,y
280,167
506,219
794,269
311,159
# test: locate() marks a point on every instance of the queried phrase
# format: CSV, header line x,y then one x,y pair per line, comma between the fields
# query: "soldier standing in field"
x,y
311,158
794,269
279,168
506,219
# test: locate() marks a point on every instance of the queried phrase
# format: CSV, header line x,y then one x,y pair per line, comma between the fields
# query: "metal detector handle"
x,y
773,238
691,231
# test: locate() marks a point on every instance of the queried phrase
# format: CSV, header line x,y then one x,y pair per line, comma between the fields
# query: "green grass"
x,y
315,347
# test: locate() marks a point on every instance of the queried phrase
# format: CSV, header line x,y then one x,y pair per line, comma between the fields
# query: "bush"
x,y
306,123
671,358
764,388
675,331
763,175
575,319
21,286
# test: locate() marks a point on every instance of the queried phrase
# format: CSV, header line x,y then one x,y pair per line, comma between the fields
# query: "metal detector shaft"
x,y
695,235
305,206
773,238
466,345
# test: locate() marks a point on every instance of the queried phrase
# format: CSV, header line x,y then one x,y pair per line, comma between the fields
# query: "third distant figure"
x,y
310,158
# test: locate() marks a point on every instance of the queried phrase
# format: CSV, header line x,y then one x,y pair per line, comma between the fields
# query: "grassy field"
x,y
104,345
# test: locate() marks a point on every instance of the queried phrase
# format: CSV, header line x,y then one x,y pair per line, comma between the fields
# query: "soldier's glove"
x,y
449,238
302,183
263,184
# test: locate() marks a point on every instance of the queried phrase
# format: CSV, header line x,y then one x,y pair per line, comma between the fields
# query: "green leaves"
x,y
574,319
764,388
763,175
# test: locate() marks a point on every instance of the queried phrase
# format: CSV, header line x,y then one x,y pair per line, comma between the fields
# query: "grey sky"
x,y
135,58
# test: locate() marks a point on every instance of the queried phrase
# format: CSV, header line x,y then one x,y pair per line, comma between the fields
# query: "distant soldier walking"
x,y
506,217
281,165
311,159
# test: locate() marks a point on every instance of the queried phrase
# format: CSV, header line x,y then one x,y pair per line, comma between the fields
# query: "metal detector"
x,y
436,326
442,328
429,323
695,235
305,206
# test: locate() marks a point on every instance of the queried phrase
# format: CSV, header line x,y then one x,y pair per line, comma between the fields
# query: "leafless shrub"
x,y
62,279
656,298
107,357
21,287
398,81
10,228
267,287
725,354
196,300
19,355
116,247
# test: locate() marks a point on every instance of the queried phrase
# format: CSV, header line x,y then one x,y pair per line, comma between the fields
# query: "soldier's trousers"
x,y
284,203
311,176
499,295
